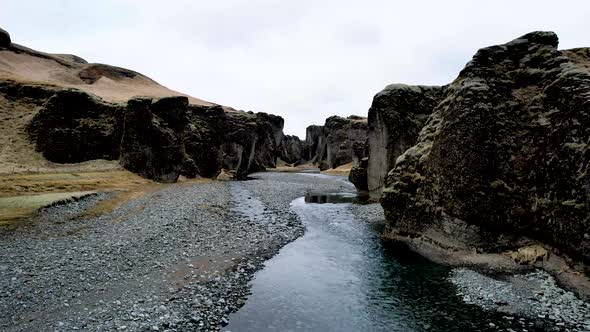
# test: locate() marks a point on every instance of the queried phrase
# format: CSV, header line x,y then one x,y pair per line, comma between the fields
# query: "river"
x,y
339,276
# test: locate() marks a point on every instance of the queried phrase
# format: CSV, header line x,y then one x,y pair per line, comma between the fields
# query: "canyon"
x,y
494,163
488,172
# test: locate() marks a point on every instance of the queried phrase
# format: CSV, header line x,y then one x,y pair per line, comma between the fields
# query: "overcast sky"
x,y
303,60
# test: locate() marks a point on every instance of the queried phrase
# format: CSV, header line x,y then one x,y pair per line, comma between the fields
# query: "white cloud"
x,y
304,60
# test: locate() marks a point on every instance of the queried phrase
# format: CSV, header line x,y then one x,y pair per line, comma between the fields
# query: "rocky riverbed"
x,y
182,258
534,295
177,259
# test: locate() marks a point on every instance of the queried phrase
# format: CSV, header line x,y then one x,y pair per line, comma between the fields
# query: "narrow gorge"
x,y
125,205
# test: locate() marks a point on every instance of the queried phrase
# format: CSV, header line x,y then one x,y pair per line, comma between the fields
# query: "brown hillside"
x,y
108,82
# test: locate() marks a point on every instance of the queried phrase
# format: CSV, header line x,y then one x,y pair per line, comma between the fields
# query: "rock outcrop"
x,y
85,111
74,126
396,116
340,141
503,159
4,38
158,138
152,141
291,149
314,146
358,175
251,141
342,134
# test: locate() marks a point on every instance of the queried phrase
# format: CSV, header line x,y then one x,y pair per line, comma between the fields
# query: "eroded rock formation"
x,y
158,138
340,141
74,126
152,139
503,158
342,134
315,144
396,116
291,149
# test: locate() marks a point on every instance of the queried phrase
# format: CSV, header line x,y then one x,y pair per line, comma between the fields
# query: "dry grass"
x,y
342,170
21,195
38,67
14,209
31,184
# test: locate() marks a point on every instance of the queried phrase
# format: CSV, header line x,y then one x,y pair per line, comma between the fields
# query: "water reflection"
x,y
335,198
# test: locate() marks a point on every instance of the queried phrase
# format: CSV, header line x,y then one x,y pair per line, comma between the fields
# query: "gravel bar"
x,y
175,260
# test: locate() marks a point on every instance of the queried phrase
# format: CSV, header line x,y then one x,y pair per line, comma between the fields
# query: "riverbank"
x,y
526,259
176,258
181,257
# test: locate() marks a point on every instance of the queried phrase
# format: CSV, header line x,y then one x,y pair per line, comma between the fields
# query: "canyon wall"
x,y
87,111
502,156
396,116
158,138
338,142
291,150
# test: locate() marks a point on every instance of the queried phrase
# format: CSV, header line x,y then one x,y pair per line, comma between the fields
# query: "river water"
x,y
339,276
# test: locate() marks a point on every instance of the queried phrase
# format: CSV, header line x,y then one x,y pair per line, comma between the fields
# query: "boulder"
x,y
504,156
4,38
396,116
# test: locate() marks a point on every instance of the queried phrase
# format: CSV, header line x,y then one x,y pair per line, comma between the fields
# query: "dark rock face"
x,y
358,175
291,149
202,141
396,116
314,146
4,38
504,155
74,127
340,141
251,141
159,139
152,144
269,131
341,135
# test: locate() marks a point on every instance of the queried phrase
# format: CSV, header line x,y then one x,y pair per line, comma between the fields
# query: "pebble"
x,y
119,271
534,295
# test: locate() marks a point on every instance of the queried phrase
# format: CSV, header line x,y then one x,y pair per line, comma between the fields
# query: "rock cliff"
x,y
503,157
314,146
74,126
291,149
340,141
396,116
158,138
84,111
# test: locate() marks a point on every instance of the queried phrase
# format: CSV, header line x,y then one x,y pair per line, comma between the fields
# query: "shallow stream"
x,y
339,276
